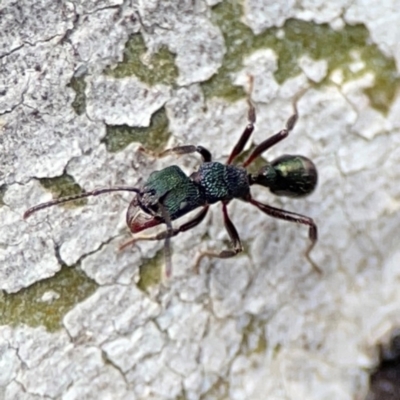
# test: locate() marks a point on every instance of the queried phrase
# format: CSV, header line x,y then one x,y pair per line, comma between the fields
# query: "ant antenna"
x,y
67,199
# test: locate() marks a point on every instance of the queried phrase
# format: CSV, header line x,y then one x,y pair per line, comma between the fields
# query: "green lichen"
x,y
297,38
150,271
63,186
219,390
276,350
253,339
26,307
79,86
3,189
158,67
153,137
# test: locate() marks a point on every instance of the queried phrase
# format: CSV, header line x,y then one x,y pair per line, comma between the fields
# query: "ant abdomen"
x,y
296,176
288,175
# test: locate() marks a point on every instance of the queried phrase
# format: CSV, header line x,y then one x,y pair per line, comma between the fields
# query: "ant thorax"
x,y
221,182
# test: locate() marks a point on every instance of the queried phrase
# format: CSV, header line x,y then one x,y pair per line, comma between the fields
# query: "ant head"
x,y
288,175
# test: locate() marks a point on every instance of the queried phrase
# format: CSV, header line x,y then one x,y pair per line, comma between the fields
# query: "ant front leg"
x,y
167,241
170,232
181,150
293,217
235,240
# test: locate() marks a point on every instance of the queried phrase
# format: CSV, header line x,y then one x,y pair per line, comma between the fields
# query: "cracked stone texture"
x,y
184,28
135,105
259,323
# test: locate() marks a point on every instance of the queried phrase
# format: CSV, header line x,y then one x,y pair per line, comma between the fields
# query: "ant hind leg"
x,y
293,217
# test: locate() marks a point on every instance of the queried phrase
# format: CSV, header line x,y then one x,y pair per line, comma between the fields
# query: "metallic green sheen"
x,y
222,182
178,193
296,176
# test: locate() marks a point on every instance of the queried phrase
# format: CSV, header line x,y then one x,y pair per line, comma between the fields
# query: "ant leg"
x,y
271,141
277,137
293,217
169,232
251,118
180,150
233,235
167,241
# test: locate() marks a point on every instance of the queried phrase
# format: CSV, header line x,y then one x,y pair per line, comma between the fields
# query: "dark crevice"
x,y
385,380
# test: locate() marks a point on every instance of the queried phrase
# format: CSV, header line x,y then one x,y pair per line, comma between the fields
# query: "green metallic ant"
x,y
169,194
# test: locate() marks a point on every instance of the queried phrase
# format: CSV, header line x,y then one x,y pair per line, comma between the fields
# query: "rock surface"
x,y
261,323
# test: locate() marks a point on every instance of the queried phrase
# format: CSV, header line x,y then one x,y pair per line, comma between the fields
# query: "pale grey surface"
x,y
260,323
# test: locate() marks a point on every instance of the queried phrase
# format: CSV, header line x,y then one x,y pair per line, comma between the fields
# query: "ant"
x,y
169,194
